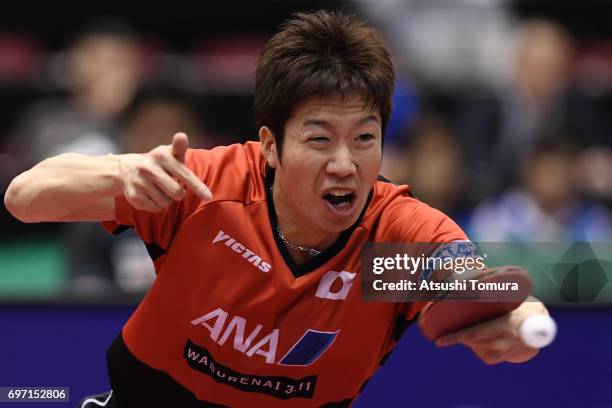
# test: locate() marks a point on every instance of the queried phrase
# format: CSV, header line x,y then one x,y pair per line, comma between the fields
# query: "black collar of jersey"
x,y
326,255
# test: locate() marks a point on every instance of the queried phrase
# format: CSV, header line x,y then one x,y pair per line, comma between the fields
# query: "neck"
x,y
294,231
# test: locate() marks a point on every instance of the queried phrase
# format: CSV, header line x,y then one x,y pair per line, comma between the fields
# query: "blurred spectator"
x,y
544,207
156,115
595,173
406,108
445,43
432,164
102,72
98,262
594,74
539,104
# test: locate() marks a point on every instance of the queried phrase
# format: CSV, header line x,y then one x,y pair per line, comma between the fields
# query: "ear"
x,y
268,146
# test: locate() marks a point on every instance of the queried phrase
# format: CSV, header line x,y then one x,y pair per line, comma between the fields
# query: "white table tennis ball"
x,y
538,331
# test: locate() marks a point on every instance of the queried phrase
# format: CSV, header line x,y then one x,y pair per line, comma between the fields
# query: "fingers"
x,y
501,326
172,165
140,200
474,336
173,189
498,348
152,182
150,190
463,336
145,195
168,186
186,176
502,350
493,341
490,356
180,144
522,355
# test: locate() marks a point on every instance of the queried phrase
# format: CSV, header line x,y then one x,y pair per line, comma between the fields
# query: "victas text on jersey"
x,y
240,249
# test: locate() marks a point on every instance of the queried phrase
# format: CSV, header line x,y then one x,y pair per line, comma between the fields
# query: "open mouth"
x,y
340,199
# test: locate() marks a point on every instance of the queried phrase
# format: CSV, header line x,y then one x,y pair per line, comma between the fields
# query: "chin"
x,y
338,226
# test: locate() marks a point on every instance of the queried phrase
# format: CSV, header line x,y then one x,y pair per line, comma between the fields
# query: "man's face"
x,y
331,156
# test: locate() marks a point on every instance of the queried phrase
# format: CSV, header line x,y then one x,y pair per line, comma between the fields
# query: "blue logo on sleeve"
x,y
455,249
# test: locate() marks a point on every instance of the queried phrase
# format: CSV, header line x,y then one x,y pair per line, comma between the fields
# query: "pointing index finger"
x,y
187,177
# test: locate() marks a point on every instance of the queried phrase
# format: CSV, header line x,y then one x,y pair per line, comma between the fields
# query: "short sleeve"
x,y
414,221
410,220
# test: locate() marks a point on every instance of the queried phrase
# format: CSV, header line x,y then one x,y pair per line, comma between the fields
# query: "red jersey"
x,y
231,320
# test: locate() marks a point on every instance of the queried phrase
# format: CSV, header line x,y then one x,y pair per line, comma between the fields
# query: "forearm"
x,y
61,185
75,187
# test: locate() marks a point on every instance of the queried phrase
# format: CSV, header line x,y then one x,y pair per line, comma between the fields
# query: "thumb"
x,y
180,143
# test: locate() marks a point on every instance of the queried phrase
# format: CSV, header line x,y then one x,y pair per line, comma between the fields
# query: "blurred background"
x,y
502,119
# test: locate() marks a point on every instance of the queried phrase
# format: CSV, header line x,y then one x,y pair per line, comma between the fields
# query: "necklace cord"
x,y
289,244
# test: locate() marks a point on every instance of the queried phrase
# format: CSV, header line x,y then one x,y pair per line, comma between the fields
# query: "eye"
x,y
366,137
318,142
318,139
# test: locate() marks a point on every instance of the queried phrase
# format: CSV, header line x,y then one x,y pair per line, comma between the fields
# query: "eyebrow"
x,y
317,122
326,125
369,118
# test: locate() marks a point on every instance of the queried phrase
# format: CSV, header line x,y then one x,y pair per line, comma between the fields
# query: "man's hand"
x,y
498,340
151,182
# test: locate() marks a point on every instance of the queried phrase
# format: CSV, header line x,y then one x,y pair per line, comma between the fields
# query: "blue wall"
x,y
66,346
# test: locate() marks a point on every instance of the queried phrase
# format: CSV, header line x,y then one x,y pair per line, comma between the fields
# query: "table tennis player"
x,y
257,246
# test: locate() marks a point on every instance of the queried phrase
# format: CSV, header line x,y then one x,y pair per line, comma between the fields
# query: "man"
x,y
257,246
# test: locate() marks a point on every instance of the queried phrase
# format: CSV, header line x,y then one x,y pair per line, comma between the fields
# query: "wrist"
x,y
117,172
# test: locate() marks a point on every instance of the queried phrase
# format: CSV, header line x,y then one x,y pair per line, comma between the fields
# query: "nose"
x,y
341,163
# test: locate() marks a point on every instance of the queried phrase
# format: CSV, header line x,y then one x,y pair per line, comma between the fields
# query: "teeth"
x,y
339,192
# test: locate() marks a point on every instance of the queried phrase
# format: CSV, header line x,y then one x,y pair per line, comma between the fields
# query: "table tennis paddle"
x,y
444,315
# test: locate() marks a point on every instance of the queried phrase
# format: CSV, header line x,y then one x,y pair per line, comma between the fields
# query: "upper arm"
x,y
413,222
410,220
99,210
